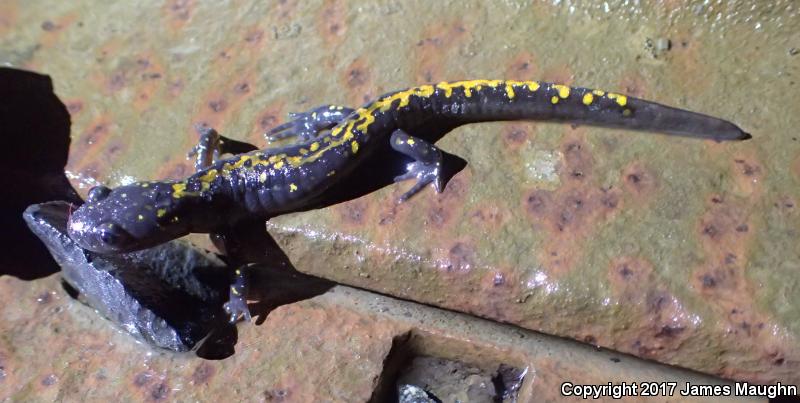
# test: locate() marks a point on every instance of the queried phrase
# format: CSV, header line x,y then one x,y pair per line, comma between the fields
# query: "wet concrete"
x,y
674,250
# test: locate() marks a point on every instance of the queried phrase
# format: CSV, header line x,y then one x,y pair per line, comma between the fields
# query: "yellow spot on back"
x,y
626,112
144,185
410,141
314,146
622,100
292,187
588,98
160,213
303,151
263,177
554,99
446,87
209,176
510,91
279,164
368,119
331,173
295,161
140,217
598,93
563,90
532,85
354,146
177,189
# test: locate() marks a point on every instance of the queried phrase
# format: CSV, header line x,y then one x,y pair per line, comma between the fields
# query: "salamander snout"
x,y
127,218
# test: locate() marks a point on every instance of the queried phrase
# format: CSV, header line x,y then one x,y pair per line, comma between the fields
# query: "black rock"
x,y
169,296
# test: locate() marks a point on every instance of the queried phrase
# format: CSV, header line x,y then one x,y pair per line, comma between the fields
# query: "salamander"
x,y
332,142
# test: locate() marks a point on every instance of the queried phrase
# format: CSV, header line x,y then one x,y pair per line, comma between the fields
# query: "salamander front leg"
x,y
427,165
307,125
212,145
237,301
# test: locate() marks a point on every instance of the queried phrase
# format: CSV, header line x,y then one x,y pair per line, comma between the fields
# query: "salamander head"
x,y
128,218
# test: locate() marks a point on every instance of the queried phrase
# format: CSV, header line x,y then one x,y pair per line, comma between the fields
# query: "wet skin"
x,y
333,141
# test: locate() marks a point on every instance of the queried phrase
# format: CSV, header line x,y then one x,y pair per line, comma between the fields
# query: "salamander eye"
x,y
113,235
98,193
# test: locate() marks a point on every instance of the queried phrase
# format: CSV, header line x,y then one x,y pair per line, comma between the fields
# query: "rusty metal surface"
x,y
333,347
671,249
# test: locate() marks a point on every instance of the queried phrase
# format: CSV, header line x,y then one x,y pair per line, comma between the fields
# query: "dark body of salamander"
x,y
270,182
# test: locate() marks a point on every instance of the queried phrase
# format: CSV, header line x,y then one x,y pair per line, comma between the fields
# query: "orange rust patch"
x,y
667,326
725,237
523,67
255,41
90,146
577,160
456,189
640,182
633,84
148,77
558,74
690,69
785,204
53,28
74,106
8,16
489,217
659,322
178,13
286,8
224,102
358,81
203,373
516,134
331,21
254,35
460,257
175,88
269,117
439,40
177,167
439,216
748,175
356,212
569,214
629,277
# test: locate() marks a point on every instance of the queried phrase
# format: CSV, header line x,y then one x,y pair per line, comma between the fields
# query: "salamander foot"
x,y
307,125
237,302
427,167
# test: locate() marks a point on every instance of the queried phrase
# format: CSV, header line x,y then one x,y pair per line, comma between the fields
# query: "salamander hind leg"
x,y
237,302
427,165
307,125
212,145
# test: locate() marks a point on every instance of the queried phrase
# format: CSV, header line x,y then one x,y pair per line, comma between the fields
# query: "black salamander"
x,y
334,140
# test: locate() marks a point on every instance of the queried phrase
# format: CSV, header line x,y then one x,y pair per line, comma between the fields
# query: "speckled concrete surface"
x,y
671,249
